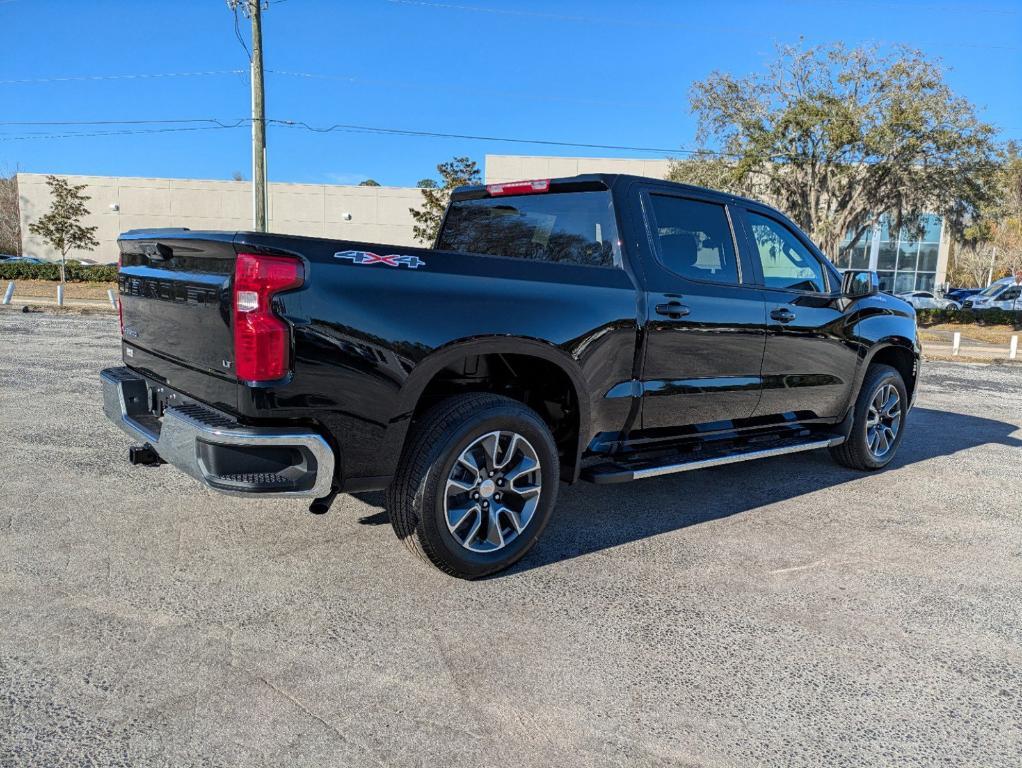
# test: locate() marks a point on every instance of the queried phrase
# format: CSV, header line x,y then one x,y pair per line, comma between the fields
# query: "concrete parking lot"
x,y
786,612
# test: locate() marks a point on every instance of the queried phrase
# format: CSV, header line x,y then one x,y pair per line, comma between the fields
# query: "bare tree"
x,y
10,216
994,239
970,264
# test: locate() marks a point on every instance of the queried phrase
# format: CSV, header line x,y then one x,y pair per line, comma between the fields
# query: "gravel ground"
x,y
787,612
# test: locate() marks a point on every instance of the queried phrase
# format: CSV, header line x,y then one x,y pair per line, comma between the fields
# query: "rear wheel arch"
x,y
533,372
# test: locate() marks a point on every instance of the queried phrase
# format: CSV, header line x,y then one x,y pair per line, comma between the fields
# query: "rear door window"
x,y
694,239
564,227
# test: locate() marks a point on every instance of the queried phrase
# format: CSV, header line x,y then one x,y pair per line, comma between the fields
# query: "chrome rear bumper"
x,y
204,442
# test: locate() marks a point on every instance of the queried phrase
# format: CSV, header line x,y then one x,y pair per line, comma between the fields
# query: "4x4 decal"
x,y
393,260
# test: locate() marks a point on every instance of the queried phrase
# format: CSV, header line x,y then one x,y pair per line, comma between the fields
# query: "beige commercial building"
x,y
381,214
374,214
500,168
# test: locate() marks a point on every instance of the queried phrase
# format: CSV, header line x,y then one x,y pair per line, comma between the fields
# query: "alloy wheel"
x,y
492,491
883,421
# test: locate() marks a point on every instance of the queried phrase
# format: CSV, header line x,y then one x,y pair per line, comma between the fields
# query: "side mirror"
x,y
856,283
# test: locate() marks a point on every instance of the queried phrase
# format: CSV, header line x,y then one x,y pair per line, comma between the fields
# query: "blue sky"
x,y
593,72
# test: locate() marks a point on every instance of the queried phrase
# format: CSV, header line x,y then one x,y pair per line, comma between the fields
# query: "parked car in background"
x,y
7,256
1003,294
961,294
23,260
926,300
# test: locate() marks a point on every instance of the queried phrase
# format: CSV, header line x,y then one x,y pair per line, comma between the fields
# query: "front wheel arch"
x,y
900,353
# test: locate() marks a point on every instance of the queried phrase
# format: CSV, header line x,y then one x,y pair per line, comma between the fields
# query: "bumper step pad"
x,y
214,448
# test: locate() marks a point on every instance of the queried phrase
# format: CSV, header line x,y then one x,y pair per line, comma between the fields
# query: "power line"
x,y
31,136
701,153
346,127
343,127
218,123
351,79
237,33
945,8
132,76
659,23
914,7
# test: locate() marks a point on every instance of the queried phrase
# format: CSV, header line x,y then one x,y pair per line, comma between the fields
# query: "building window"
x,y
905,261
858,256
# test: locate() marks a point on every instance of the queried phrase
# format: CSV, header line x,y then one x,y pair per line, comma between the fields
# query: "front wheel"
x,y
476,484
878,421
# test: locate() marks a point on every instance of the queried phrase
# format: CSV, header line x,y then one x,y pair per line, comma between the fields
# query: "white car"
x,y
926,300
1004,294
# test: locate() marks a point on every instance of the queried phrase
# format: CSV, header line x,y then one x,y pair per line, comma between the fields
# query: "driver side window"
x,y
787,263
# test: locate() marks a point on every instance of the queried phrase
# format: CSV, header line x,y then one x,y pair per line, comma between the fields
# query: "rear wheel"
x,y
878,421
476,484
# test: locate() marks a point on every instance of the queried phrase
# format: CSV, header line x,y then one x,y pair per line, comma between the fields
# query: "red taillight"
x,y
262,341
519,187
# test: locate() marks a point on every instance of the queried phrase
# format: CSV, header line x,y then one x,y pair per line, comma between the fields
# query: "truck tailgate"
x,y
175,291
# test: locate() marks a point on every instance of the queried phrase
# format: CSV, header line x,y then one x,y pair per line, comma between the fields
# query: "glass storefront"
x,y
903,260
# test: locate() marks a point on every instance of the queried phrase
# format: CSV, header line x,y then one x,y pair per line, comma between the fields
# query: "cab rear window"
x,y
565,227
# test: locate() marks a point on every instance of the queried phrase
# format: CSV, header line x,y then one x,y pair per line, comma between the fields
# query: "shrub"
x,y
928,317
76,272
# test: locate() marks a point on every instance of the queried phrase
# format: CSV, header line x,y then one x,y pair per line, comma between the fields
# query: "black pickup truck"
x,y
601,327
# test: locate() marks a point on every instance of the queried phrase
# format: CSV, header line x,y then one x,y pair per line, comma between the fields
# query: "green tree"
x,y
836,137
369,183
62,227
457,172
426,184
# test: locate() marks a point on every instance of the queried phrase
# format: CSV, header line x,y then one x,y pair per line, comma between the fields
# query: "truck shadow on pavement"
x,y
590,518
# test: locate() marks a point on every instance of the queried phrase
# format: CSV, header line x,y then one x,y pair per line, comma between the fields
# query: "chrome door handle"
x,y
672,309
782,315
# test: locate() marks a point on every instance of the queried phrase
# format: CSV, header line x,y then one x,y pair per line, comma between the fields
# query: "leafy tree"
x,y
61,227
456,172
992,246
426,184
10,218
369,183
837,137
237,176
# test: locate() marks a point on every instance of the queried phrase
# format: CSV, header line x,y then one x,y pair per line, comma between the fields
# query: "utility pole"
x,y
258,120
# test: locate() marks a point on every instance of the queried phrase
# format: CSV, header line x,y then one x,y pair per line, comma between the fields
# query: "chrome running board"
x,y
626,471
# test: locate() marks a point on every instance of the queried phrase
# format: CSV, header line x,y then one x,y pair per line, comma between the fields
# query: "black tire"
x,y
855,451
416,496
